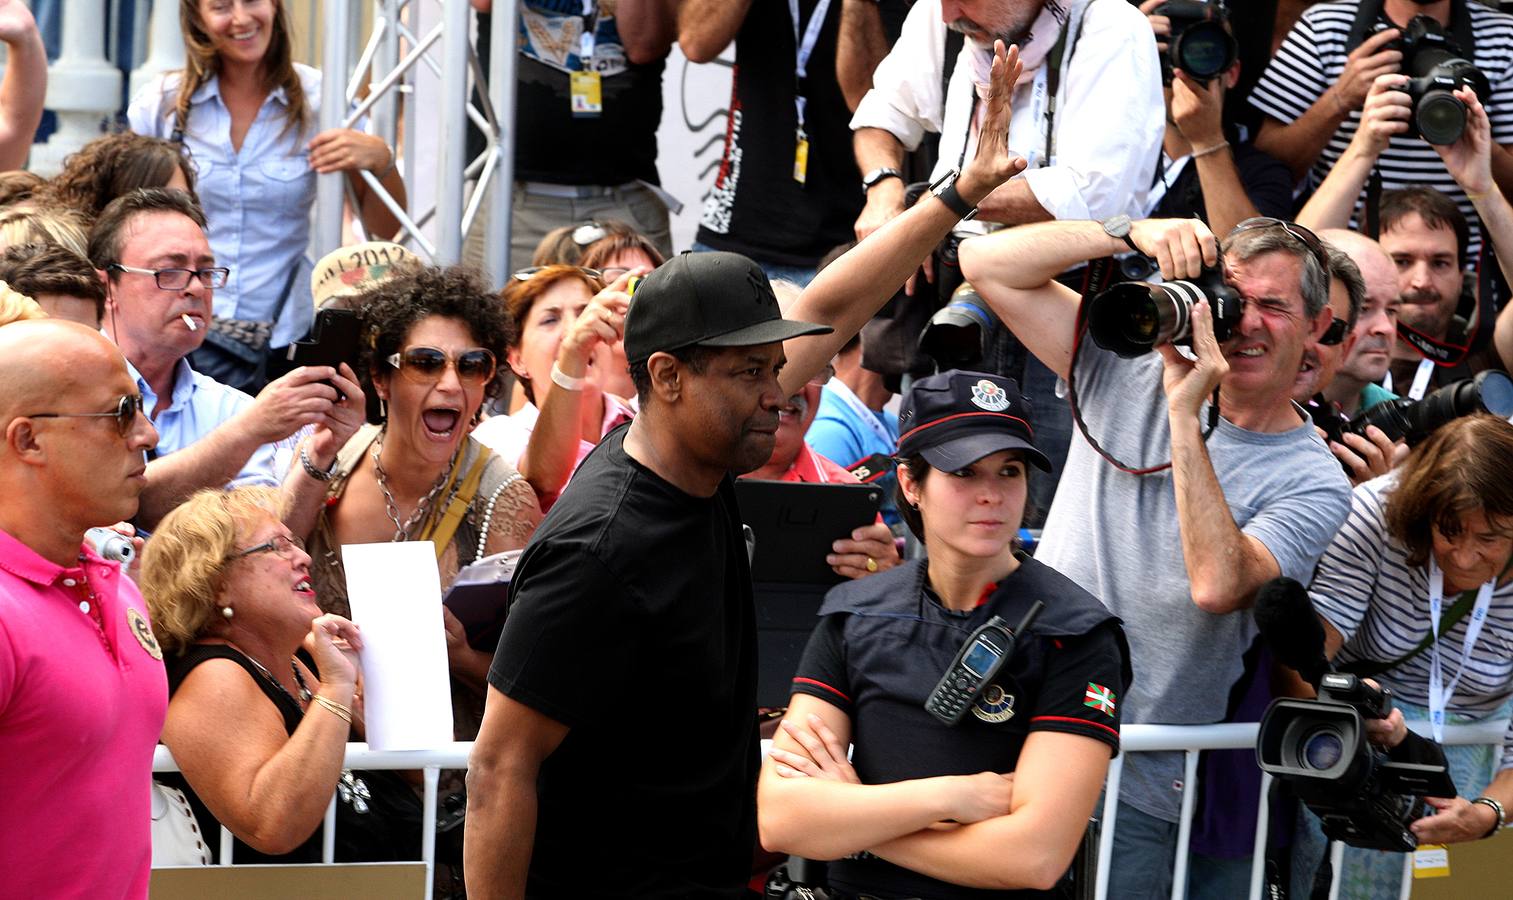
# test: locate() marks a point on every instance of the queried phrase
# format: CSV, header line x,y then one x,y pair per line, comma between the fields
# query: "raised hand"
x,y
994,163
1469,160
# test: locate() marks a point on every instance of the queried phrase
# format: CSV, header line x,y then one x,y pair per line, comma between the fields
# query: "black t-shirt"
x,y
885,641
553,145
1267,183
755,207
631,622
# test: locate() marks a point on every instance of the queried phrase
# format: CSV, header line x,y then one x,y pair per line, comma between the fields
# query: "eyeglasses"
x,y
427,364
1303,236
527,274
279,544
178,279
125,413
1335,333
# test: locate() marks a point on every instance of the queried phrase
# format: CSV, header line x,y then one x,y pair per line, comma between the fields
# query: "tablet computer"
x,y
795,524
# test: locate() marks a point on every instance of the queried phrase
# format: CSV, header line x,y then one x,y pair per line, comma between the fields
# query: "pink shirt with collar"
x,y
509,435
82,700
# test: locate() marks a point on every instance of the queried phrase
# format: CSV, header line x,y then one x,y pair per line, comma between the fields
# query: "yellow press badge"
x,y
1431,861
587,99
801,159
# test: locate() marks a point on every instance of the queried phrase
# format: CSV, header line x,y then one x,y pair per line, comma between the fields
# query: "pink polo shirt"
x,y
82,700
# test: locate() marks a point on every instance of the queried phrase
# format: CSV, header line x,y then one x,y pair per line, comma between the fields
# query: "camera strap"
x,y
1439,692
1366,668
1369,12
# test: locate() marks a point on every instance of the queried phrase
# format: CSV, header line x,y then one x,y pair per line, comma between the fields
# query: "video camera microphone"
x,y
1291,628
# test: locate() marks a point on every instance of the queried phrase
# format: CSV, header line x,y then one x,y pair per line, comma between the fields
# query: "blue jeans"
x,y
1144,849
796,274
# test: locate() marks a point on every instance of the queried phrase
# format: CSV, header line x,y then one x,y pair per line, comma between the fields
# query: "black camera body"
x,y
1436,66
957,334
1200,43
1363,797
1490,391
1132,318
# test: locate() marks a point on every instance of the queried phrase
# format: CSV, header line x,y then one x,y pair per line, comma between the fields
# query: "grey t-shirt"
x,y
1116,535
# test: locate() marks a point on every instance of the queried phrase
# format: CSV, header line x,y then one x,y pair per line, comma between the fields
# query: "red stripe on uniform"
x,y
1111,731
822,684
966,415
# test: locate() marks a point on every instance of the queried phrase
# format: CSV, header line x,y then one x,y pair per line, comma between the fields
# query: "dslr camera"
x,y
1489,392
1200,43
1436,67
1363,797
1133,318
958,333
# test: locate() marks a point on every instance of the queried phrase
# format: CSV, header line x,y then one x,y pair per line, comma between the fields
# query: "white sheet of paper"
x,y
395,592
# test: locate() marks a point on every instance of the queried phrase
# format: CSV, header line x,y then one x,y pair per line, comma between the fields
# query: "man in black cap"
x,y
634,597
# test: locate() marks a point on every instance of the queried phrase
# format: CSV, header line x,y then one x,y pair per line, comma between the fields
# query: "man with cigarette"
x,y
151,252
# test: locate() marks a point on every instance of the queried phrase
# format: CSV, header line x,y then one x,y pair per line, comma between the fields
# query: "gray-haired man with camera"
x,y
1251,492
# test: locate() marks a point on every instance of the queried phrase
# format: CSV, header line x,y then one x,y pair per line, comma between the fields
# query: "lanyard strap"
x,y
1439,692
804,47
859,409
587,39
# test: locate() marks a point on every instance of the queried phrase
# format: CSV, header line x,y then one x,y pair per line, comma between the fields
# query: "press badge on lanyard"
x,y
803,48
586,91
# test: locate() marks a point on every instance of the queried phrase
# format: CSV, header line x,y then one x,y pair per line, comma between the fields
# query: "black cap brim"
x,y
961,451
769,332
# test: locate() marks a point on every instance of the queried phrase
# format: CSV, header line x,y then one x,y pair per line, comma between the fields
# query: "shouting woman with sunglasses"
x,y
433,340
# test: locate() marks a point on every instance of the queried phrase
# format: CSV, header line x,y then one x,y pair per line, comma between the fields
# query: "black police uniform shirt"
x,y
755,207
884,641
631,622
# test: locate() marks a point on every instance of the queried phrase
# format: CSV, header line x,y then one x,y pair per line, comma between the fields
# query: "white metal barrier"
x,y
1190,739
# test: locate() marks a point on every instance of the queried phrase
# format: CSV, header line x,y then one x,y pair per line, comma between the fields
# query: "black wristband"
x,y
955,202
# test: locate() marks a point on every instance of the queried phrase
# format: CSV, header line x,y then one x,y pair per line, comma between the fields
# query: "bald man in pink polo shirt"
x,y
82,689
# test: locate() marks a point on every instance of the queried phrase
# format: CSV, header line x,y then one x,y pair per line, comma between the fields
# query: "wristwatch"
x,y
1119,227
944,188
878,174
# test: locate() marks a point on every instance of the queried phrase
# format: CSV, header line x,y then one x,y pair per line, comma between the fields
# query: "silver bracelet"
x,y
565,381
311,469
1502,819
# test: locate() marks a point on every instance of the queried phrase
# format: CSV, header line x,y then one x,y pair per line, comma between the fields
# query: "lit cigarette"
x,y
189,323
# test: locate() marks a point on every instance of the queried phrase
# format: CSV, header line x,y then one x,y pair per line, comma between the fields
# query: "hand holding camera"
x,y
1181,247
1376,56
1469,159
601,323
1385,113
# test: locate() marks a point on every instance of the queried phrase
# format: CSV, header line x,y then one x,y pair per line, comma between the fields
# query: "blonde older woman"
x,y
258,733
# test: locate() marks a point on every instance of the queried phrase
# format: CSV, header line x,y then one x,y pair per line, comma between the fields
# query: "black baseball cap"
x,y
708,299
955,418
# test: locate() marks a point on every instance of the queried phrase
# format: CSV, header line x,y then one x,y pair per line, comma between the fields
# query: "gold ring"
x,y
871,564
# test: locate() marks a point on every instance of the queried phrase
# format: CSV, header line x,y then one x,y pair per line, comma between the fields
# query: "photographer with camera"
x,y
1251,490
1206,170
1317,91
1427,237
1419,576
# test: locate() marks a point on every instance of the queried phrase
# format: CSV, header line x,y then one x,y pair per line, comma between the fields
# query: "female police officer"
x,y
1000,799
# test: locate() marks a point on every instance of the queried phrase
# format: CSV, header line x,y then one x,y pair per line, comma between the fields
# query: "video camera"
x,y
1436,66
1133,318
1365,796
1490,392
1200,43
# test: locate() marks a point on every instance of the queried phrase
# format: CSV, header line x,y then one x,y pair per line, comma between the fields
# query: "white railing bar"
x,y
1106,834
1336,862
226,845
428,828
487,106
394,75
1258,849
328,836
1405,889
1185,823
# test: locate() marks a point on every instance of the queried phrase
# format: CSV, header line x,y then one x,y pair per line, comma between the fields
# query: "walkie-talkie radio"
x,y
979,659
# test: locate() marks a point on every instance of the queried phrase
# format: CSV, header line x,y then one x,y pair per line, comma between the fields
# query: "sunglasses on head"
x,y
1335,333
1299,233
427,364
125,413
527,274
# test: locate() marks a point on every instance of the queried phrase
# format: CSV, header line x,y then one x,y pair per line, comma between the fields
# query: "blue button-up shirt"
x,y
197,406
256,201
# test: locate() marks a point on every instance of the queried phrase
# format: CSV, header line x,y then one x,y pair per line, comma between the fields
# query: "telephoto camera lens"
x,y
1133,318
1489,392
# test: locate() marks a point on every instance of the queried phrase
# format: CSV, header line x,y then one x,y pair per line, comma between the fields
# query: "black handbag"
x,y
235,351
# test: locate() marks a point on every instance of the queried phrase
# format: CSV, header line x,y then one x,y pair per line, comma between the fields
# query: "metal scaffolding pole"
x,y
496,252
330,190
456,46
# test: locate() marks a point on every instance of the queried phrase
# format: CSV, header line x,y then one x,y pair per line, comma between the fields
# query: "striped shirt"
x,y
1313,57
1379,604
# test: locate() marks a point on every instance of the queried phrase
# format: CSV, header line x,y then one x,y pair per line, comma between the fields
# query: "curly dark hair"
x,y
116,164
390,309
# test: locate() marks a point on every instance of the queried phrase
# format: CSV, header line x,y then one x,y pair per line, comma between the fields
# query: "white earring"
x,y
227,611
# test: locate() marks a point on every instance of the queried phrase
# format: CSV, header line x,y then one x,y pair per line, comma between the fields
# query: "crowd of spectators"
x,y
891,284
